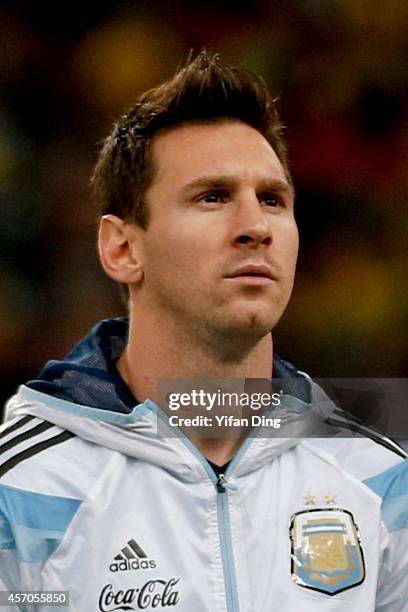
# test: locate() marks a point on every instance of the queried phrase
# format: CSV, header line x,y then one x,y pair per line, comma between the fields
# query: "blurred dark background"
x,y
339,67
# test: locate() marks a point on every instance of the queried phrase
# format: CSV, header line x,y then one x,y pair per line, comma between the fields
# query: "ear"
x,y
118,250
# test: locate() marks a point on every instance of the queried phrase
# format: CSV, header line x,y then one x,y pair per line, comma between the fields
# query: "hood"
x,y
85,394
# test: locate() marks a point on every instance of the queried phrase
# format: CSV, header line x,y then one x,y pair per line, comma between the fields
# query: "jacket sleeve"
x,y
28,538
392,593
392,487
9,566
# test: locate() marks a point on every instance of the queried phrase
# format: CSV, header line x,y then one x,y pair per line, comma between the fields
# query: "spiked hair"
x,y
203,91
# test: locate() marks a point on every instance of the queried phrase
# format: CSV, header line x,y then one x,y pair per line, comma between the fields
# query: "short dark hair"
x,y
204,90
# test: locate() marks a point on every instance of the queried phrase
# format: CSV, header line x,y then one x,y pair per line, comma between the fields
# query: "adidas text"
x,y
132,564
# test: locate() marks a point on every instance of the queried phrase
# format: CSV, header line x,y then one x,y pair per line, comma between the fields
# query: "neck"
x,y
158,351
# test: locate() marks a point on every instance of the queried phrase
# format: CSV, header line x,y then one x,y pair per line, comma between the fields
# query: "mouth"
x,y
252,274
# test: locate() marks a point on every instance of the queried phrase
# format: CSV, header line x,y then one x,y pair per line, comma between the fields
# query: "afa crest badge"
x,y
326,550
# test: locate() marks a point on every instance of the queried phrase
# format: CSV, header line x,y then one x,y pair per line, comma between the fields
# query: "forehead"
x,y
225,147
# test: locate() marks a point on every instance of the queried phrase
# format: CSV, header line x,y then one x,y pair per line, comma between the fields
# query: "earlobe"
x,y
118,250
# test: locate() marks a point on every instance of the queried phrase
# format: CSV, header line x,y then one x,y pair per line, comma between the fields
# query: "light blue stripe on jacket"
x,y
392,486
34,523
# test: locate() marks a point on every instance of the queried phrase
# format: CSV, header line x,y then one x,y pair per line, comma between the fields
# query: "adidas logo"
x,y
132,557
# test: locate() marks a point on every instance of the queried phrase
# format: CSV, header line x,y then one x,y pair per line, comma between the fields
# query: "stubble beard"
x,y
222,335
231,341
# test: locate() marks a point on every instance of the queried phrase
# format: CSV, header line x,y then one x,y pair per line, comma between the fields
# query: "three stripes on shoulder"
x,y
25,438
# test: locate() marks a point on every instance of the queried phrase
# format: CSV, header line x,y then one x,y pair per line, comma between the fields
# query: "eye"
x,y
214,197
271,200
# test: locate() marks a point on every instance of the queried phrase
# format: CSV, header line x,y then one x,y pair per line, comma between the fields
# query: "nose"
x,y
252,226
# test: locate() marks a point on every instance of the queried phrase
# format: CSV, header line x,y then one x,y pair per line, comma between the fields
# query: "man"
x,y
100,494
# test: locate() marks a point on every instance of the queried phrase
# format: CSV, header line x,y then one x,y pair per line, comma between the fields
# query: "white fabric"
x,y
136,484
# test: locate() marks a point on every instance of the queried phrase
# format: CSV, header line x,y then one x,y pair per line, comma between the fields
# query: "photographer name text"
x,y
224,421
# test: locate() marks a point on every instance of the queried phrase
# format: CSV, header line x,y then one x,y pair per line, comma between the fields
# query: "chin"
x,y
252,324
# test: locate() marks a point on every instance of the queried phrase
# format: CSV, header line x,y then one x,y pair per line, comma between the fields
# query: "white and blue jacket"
x,y
97,500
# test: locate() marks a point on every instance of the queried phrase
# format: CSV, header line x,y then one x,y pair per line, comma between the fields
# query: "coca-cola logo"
x,y
152,594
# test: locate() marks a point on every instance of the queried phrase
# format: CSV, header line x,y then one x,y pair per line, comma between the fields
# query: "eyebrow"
x,y
223,182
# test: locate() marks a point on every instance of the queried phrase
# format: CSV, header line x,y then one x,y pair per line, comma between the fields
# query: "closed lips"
x,y
252,270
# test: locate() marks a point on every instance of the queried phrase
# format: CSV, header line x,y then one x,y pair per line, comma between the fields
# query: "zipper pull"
x,y
223,484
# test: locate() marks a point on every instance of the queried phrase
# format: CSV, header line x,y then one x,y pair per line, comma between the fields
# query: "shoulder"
x,y
24,438
44,458
361,455
380,469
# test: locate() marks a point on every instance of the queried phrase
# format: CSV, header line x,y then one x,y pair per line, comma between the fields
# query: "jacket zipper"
x,y
227,555
224,527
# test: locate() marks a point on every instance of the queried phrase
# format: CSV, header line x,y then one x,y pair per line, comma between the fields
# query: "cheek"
x,y
295,244
289,252
171,254
290,241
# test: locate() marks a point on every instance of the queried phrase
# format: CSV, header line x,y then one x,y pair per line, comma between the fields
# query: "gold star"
x,y
310,500
330,499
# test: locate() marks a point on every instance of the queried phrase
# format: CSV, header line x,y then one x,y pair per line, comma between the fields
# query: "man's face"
x,y
220,249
